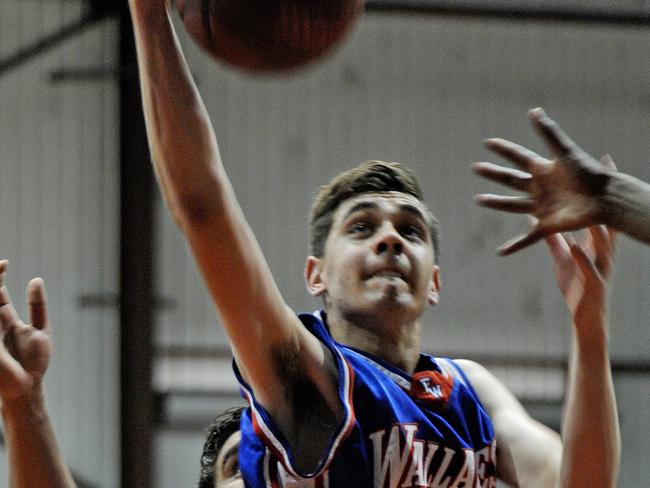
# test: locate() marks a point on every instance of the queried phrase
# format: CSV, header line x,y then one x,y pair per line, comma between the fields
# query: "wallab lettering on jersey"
x,y
400,460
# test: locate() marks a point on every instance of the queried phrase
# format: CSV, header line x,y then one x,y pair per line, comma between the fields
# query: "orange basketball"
x,y
268,35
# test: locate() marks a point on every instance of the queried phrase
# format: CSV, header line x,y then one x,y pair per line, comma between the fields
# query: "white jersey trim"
x,y
277,446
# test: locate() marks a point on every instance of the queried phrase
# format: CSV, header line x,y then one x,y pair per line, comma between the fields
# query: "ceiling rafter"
x,y
96,11
624,12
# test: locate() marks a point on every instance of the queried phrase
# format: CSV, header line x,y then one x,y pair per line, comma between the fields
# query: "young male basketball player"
x,y
343,398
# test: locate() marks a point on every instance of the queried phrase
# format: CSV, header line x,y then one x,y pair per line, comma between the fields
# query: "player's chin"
x,y
396,291
392,297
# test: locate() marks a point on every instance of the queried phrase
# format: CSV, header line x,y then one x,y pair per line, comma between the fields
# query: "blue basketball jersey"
x,y
427,429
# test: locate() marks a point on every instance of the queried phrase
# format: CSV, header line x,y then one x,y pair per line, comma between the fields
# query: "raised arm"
x,y
569,192
273,349
590,428
34,455
588,452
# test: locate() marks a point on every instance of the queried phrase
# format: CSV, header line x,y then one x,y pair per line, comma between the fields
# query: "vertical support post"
x,y
137,188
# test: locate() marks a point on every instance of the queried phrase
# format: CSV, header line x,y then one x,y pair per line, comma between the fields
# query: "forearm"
x,y
181,139
192,178
626,206
590,432
34,455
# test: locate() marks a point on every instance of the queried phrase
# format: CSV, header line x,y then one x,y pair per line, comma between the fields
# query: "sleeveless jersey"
x,y
399,431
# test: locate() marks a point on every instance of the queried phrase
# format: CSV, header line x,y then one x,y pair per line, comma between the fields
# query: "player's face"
x,y
226,467
378,257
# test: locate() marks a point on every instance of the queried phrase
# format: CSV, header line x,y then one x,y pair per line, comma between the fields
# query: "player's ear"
x,y
314,276
434,286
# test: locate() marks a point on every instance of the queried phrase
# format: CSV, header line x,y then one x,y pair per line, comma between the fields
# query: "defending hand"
x,y
562,192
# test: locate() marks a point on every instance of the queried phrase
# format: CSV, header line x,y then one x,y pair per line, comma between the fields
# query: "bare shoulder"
x,y
494,395
472,369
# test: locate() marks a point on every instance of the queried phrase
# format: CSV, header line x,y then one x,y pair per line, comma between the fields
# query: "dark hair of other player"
x,y
220,430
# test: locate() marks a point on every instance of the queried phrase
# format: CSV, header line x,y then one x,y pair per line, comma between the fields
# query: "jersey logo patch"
x,y
431,387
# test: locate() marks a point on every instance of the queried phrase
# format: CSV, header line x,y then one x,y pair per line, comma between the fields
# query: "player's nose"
x,y
389,240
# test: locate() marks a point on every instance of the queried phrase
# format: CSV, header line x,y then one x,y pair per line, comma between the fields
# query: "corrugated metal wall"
x,y
585,8
427,90
59,218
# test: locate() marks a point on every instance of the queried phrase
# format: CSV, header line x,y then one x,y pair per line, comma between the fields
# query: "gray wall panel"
x,y
427,91
23,22
638,7
634,404
59,215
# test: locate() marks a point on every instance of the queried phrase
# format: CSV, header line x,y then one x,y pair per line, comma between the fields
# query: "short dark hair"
x,y
221,428
368,177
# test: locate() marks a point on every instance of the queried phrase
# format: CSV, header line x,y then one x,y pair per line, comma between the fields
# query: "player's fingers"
x,y
37,303
559,143
608,162
519,155
613,238
586,265
512,178
602,249
587,244
8,316
505,203
555,244
4,264
570,240
601,238
520,242
558,246
4,294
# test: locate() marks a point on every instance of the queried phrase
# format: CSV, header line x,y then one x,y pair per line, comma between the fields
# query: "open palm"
x,y
560,190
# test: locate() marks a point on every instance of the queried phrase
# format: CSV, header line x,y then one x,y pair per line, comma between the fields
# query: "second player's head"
x,y
374,243
220,457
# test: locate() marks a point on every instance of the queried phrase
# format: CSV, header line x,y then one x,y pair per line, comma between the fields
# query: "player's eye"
x,y
230,468
412,231
359,228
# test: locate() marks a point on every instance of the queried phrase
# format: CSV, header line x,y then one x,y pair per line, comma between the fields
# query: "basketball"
x,y
268,35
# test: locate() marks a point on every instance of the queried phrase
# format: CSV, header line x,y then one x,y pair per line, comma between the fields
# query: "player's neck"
x,y
394,341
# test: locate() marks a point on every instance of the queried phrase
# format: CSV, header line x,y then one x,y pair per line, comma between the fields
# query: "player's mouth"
x,y
388,274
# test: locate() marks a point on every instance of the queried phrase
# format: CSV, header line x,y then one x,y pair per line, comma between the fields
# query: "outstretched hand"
x,y
582,269
562,192
24,348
